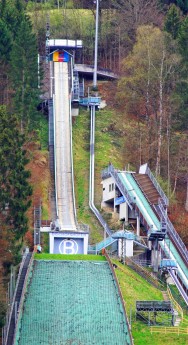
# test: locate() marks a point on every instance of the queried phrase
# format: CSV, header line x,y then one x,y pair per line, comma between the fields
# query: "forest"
x,y
145,43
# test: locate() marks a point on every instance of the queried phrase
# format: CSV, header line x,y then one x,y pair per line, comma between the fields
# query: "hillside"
x,y
145,119
116,140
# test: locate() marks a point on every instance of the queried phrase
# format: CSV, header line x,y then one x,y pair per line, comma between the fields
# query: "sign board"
x,y
68,242
119,200
61,56
68,246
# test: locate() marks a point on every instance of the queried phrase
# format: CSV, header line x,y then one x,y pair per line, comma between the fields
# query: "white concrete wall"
x,y
108,189
127,249
123,211
64,235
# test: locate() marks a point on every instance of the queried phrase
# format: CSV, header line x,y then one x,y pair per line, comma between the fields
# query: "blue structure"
x,y
89,101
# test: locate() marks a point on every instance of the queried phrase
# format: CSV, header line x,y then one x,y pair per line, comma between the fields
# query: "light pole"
x,y
96,45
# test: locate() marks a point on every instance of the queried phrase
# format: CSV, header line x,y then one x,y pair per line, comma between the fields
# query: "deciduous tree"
x,y
150,72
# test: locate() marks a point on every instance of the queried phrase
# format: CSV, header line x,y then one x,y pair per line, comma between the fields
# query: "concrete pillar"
x,y
125,248
126,214
155,256
138,225
129,248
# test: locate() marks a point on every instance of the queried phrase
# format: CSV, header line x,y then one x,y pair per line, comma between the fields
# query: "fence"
x,y
176,305
169,330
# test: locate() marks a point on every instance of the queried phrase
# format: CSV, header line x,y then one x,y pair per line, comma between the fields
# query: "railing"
x,y
174,235
145,274
157,186
20,309
72,166
14,305
103,244
176,305
55,164
169,330
179,286
103,71
111,171
144,263
82,227
91,178
120,294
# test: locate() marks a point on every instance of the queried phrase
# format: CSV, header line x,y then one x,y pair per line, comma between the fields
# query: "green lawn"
x,y
134,288
69,257
108,148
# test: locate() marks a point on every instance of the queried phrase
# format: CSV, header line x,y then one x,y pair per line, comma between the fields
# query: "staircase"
x,y
178,313
101,245
16,301
177,319
165,295
148,188
51,159
37,224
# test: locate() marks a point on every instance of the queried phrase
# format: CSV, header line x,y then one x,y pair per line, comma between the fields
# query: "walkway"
x,y
101,72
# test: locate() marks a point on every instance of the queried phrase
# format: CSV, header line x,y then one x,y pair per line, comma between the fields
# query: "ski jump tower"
x,y
66,235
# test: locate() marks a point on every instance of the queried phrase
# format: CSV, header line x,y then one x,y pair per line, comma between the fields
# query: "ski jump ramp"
x,y
66,235
63,158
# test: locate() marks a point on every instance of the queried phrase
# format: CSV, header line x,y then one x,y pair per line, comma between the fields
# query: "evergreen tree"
x,y
182,4
183,40
14,187
173,21
5,42
24,74
12,13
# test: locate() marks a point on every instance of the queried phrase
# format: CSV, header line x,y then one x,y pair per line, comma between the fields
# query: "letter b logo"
x,y
68,247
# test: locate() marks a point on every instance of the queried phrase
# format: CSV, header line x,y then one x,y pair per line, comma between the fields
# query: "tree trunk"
x,y
158,162
186,201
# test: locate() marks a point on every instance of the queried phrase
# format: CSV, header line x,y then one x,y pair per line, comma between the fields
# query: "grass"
x,y
105,151
143,336
43,133
135,288
82,257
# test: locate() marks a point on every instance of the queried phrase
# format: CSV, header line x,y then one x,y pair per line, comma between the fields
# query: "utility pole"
x,y
96,45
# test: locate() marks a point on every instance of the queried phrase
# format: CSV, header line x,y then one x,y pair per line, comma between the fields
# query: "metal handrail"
x,y
103,244
173,233
157,186
55,165
146,274
178,285
91,179
120,294
72,166
177,306
13,301
20,309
